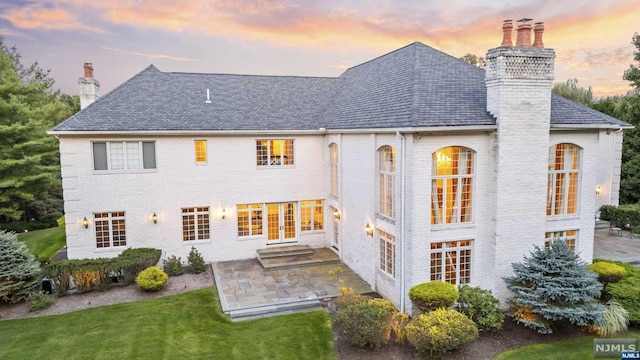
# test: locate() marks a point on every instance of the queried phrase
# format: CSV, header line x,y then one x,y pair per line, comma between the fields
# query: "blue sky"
x,y
592,38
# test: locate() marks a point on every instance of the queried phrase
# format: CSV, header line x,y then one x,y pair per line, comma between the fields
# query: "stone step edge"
x,y
268,266
275,309
281,254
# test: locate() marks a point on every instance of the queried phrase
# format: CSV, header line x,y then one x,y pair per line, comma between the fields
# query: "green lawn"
x,y
576,349
184,326
44,244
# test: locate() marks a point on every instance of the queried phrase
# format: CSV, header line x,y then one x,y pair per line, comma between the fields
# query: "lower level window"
x,y
195,223
249,219
311,215
568,236
451,262
387,252
110,229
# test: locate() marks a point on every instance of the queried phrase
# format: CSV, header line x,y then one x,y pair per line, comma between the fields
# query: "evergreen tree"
x,y
572,91
29,157
553,286
19,269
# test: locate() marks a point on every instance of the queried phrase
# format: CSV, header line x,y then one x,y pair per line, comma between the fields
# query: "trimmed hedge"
x,y
626,292
152,279
607,272
100,274
622,214
440,331
433,295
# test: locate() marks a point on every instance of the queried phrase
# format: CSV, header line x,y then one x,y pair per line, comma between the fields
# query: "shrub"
x,y
432,295
480,306
195,261
173,266
607,272
440,331
152,279
615,319
626,292
19,270
552,286
365,322
38,300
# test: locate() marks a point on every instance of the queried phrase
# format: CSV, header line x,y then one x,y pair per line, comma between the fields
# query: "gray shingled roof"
x,y
415,86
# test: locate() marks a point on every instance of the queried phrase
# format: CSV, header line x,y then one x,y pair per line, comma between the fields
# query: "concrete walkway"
x,y
622,247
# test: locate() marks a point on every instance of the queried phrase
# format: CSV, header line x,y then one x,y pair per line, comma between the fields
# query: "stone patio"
x,y
623,247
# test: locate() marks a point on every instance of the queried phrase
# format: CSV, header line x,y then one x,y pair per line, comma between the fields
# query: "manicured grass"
x,y
44,244
575,349
184,326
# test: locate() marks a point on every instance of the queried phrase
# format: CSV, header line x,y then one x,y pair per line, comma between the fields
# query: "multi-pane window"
x,y
387,252
333,154
568,236
110,229
452,185
201,151
195,223
386,179
249,219
564,172
274,152
451,262
124,155
311,215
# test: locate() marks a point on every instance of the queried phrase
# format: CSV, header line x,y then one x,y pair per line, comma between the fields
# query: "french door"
x,y
281,223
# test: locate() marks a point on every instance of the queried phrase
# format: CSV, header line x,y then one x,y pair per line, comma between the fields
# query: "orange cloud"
x,y
151,56
34,17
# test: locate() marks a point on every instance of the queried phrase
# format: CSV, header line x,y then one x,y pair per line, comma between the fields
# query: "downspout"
x,y
402,220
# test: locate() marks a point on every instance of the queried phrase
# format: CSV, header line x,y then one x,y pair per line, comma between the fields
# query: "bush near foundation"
x,y
480,306
152,279
173,266
195,261
440,331
626,292
38,300
433,295
607,272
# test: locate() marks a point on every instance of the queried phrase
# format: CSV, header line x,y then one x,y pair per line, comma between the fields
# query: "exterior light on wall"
x,y
224,213
598,190
336,214
369,229
85,222
154,217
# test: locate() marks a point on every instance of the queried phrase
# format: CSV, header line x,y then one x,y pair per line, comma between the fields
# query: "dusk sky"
x,y
592,38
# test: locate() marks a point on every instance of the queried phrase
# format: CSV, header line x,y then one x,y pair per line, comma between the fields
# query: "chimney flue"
x,y
538,29
524,33
507,26
88,70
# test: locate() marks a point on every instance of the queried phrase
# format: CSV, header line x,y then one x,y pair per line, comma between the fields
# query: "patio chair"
x,y
615,229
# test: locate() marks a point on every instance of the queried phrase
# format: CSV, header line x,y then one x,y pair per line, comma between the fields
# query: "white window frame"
x,y
453,215
206,151
386,181
110,148
563,176
387,253
114,235
312,205
443,251
333,159
202,232
255,212
570,237
266,159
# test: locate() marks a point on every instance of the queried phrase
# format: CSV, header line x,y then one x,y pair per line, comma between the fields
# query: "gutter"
x,y
320,131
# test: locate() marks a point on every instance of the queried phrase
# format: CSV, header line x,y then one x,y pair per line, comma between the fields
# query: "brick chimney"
x,y
538,29
507,26
519,81
524,33
89,88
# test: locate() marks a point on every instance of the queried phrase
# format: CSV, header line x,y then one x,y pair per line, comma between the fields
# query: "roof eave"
x,y
186,132
589,126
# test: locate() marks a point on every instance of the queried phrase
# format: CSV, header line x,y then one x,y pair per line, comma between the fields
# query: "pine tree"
x,y
19,269
553,286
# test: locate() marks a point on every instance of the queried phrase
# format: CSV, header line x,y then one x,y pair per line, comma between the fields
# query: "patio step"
x,y
294,258
293,250
274,310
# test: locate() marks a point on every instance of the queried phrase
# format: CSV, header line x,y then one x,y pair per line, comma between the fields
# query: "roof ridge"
x,y
250,75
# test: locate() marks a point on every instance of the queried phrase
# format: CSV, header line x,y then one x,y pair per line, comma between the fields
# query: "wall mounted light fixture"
x,y
598,190
154,217
85,222
336,214
369,229
224,213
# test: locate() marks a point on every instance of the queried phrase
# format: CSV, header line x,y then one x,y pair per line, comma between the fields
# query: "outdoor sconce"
x,y
598,190
85,222
154,217
369,229
336,214
224,213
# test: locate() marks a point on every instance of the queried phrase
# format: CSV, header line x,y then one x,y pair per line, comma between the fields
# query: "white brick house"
x,y
458,172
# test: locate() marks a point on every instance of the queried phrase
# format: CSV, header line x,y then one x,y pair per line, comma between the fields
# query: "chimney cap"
x,y
523,20
507,21
539,23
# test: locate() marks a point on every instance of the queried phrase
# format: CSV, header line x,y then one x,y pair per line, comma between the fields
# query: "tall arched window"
x,y
452,185
564,174
386,171
333,158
